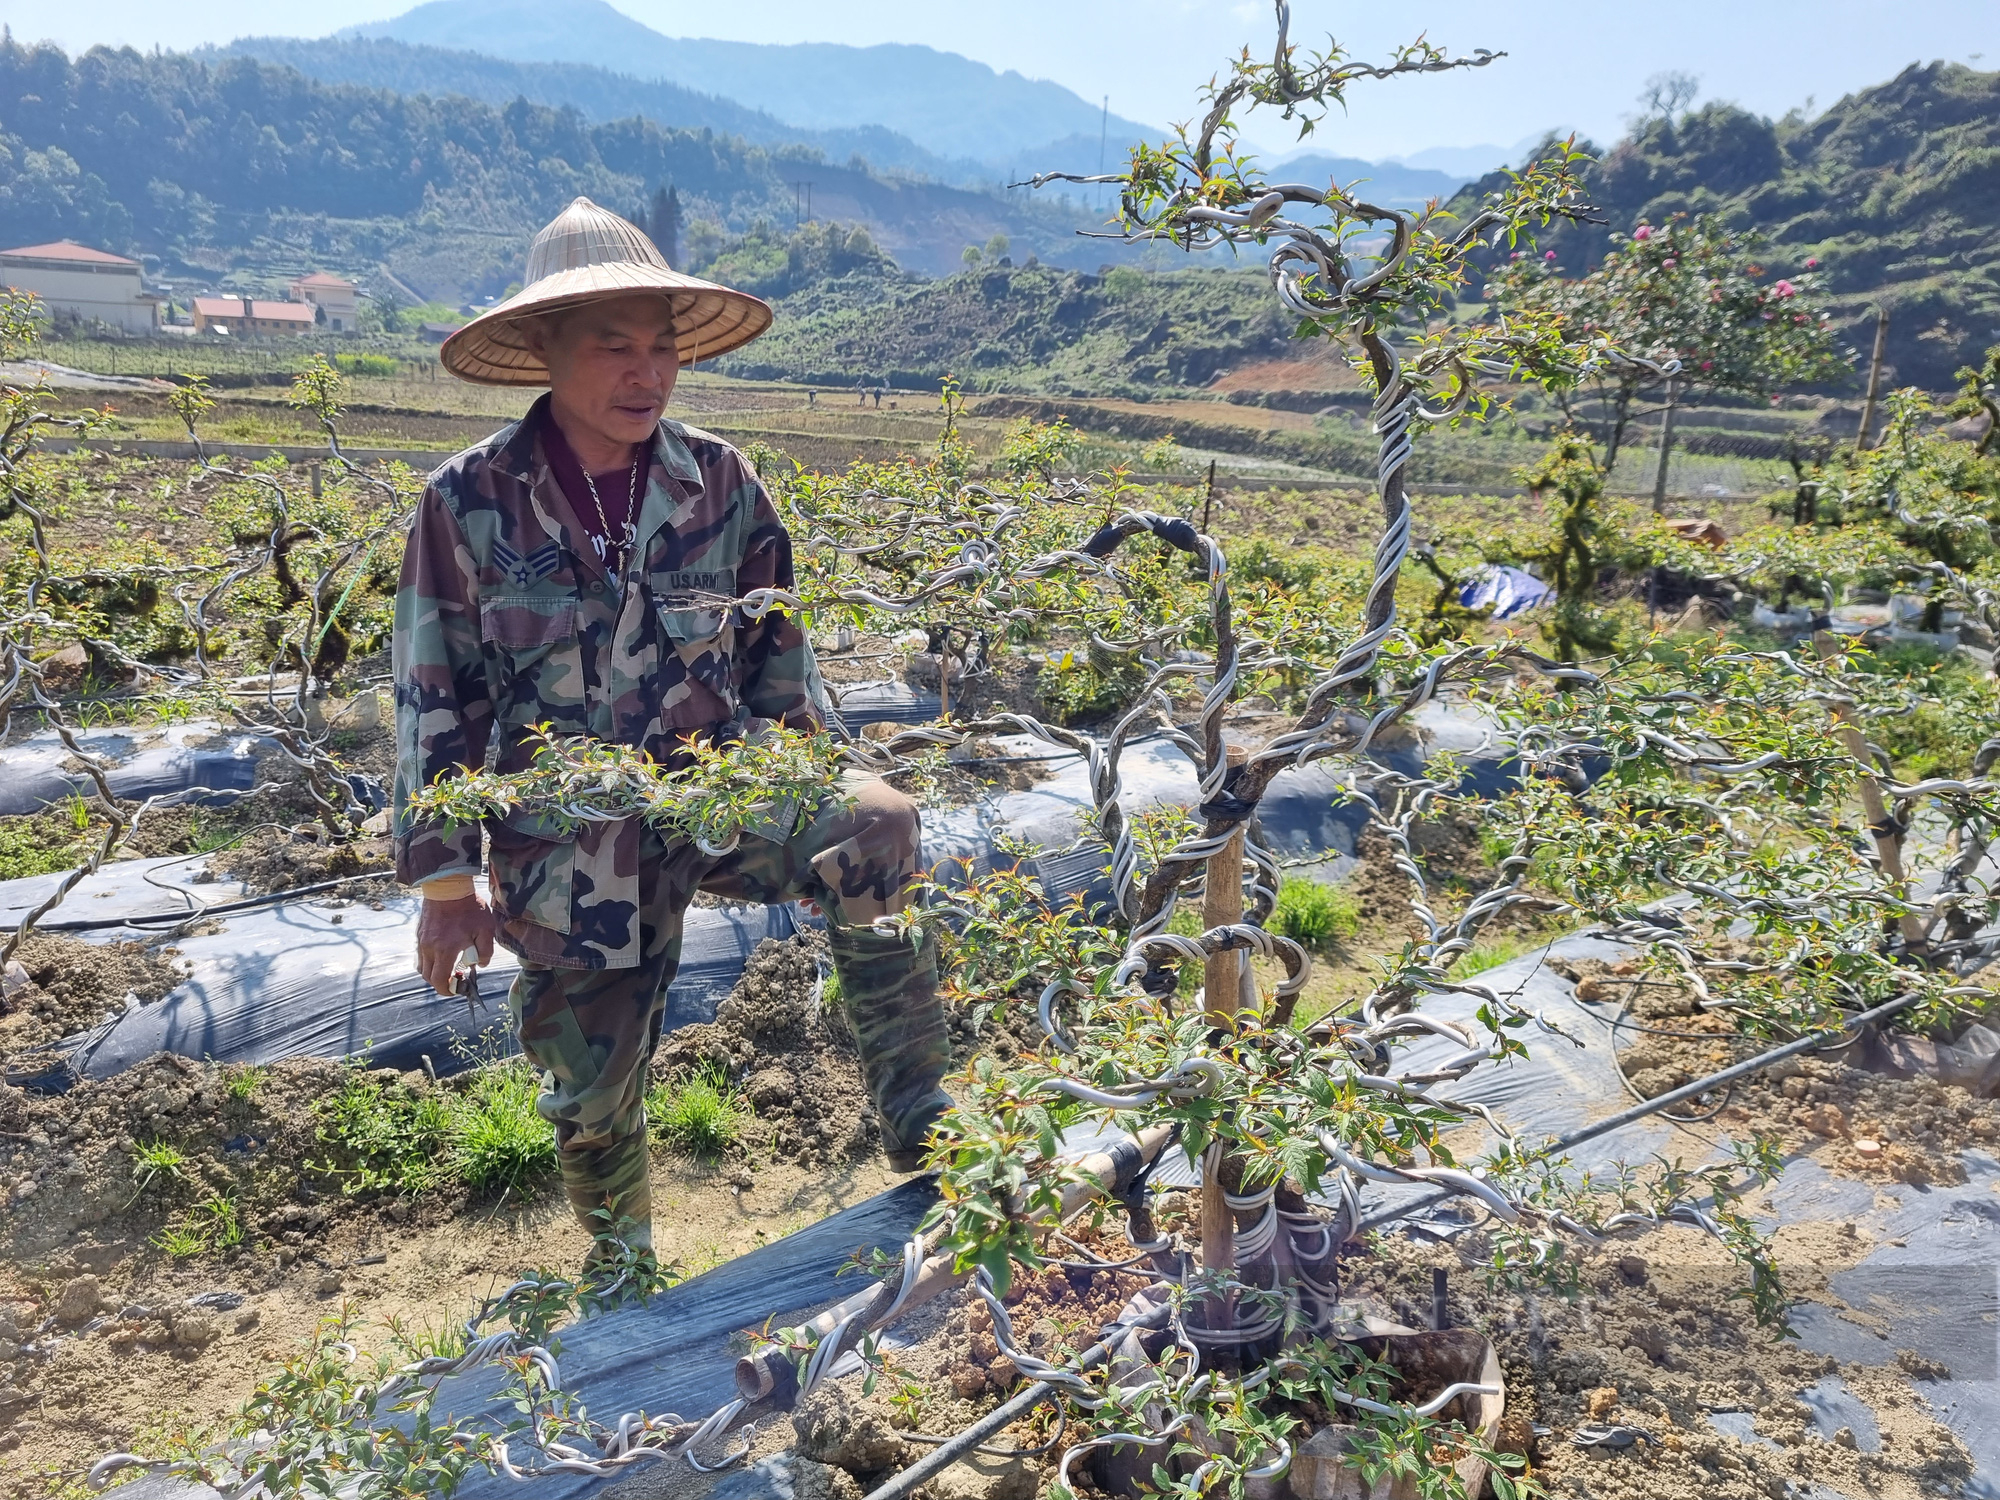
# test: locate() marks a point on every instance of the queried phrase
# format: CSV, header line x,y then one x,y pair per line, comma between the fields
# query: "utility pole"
x,y
1874,378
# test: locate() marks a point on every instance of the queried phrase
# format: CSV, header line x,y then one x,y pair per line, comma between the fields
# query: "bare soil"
x,y
1854,1121
100,1342
73,985
1653,1338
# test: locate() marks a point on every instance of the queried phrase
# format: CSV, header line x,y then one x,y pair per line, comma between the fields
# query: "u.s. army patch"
x,y
521,571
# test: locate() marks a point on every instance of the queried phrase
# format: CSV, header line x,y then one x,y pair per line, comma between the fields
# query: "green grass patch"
x,y
383,1136
498,1142
702,1116
1315,915
243,1081
367,364
216,1223
1491,954
157,1162
55,839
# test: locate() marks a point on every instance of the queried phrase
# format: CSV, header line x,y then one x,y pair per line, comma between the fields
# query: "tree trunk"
x,y
1861,439
1666,447
1620,416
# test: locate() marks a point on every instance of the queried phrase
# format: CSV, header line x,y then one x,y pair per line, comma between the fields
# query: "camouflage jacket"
x,y
506,619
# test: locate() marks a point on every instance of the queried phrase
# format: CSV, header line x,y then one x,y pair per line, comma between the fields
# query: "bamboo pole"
x,y
1666,447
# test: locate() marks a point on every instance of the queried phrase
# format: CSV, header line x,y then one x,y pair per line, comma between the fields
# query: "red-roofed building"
x,y
240,315
76,281
338,299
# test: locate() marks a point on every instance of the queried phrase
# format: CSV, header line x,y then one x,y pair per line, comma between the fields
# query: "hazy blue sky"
x,y
1577,65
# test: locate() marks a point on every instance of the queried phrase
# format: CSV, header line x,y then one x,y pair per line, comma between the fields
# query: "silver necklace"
x,y
602,541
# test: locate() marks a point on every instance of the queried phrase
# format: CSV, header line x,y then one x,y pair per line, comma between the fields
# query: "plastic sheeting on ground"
x,y
144,762
323,979
675,1352
123,898
886,702
313,979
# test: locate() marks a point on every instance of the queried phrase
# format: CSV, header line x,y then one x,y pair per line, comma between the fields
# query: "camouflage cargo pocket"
x,y
542,657
705,642
535,878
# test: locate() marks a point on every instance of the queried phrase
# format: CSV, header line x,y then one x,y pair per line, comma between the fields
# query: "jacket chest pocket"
x,y
535,639
700,651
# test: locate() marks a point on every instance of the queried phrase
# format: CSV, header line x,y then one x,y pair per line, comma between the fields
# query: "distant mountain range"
x,y
948,106
1383,183
600,95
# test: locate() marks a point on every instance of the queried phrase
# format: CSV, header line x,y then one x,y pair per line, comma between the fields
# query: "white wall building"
x,y
74,280
338,299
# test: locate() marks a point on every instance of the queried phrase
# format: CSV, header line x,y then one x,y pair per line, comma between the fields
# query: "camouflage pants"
x,y
593,1031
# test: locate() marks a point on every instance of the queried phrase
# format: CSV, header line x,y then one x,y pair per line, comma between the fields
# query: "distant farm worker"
x,y
575,569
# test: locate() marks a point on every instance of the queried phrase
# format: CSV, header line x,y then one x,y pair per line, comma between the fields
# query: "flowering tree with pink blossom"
x,y
1692,291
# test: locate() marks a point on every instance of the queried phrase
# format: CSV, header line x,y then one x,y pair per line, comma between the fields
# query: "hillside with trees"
x,y
1894,192
1021,327
209,163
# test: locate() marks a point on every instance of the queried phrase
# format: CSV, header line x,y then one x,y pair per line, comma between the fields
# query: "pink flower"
x,y
1550,255
1708,364
1785,289
1668,264
1515,256
1643,232
1812,265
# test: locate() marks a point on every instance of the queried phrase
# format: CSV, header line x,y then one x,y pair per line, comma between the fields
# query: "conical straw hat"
x,y
587,254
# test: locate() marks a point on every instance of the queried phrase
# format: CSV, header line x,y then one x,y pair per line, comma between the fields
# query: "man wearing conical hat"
x,y
575,570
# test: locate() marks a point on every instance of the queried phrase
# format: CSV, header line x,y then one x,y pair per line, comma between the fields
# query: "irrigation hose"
x,y
1664,1101
175,919
1004,1415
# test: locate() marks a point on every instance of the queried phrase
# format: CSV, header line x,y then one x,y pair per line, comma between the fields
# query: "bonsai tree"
x,y
290,583
1736,775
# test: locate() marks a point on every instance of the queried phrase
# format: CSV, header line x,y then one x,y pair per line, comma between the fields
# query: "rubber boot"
x,y
889,990
610,1190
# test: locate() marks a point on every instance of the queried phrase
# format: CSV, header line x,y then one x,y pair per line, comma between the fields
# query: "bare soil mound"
x,y
73,985
792,1058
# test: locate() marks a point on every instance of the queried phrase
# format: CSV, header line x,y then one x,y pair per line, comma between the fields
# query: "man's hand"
x,y
445,929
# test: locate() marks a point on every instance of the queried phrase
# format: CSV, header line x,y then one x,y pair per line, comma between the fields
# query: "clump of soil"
x,y
278,859
73,985
793,1063
1056,1312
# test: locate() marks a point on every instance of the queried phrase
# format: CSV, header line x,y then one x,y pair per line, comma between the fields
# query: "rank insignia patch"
x,y
533,568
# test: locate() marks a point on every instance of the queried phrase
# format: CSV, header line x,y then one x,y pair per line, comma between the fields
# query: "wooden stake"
x,y
1208,501
1666,447
1888,843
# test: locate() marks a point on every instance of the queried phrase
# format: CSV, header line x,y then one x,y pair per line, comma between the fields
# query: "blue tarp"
x,y
1508,590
